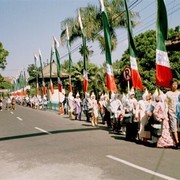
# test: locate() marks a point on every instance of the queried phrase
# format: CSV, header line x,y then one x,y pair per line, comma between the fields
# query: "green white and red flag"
x,y
136,79
70,59
163,70
110,81
37,83
56,45
85,74
51,87
43,83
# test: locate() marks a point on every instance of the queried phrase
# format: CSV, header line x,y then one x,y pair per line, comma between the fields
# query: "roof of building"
x,y
46,71
173,44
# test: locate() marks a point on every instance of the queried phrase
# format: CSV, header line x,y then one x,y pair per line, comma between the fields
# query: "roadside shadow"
x,y
46,133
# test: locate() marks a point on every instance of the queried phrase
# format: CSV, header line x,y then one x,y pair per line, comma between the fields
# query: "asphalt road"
x,y
42,145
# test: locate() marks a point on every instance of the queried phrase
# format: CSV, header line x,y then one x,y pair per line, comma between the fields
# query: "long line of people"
x,y
153,119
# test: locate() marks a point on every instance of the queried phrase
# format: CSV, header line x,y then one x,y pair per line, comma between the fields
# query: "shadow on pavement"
x,y
44,133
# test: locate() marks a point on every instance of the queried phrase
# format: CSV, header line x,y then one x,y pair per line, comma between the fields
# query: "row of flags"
x,y
20,85
54,50
163,70
162,61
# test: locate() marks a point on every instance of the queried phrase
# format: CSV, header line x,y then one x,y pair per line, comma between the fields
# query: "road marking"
x,y
19,118
12,112
140,168
42,130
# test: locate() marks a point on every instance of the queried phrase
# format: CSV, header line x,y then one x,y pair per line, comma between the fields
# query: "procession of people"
x,y
153,119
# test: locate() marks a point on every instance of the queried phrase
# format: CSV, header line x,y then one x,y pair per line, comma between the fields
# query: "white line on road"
x,y
12,112
42,130
19,118
140,168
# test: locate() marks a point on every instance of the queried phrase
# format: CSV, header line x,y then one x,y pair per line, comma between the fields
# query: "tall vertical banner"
x,y
163,70
56,45
136,79
70,59
110,81
51,87
25,84
85,74
43,83
37,83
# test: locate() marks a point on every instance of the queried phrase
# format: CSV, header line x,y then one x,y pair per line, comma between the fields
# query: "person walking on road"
x,y
172,101
94,105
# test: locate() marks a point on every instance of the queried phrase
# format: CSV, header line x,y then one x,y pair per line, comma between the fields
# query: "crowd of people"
x,y
33,102
155,118
9,103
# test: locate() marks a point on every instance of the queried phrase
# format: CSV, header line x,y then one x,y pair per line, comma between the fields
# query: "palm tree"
x,y
93,26
92,23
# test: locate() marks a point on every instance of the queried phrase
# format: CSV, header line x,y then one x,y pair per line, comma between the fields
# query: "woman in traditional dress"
x,y
94,105
160,114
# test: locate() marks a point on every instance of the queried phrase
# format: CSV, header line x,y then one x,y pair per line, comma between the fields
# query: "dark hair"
x,y
174,80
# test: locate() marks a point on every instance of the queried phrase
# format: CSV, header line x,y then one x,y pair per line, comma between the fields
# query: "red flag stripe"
x,y
163,76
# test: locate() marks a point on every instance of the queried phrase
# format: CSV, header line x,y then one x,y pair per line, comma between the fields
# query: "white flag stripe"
x,y
109,69
40,53
162,58
102,5
53,50
80,21
67,32
56,42
133,63
35,57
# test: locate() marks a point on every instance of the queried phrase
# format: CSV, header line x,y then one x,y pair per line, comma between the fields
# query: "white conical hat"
x,y
132,91
92,95
155,94
102,97
123,99
160,92
145,94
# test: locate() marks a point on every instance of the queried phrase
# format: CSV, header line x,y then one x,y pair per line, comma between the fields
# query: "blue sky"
x,y
28,25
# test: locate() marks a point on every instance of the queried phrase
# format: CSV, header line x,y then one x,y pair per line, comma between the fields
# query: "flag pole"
x,y
70,59
37,83
110,81
136,79
85,75
56,45
43,83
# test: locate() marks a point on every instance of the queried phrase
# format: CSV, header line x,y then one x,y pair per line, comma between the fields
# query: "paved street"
x,y
42,145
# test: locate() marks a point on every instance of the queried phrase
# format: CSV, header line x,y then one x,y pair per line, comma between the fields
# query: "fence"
x,y
53,106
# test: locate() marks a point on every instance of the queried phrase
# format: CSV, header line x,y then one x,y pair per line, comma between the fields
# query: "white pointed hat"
x,y
145,94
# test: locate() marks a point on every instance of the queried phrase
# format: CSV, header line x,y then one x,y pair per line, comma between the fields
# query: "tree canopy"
x,y
93,25
3,55
146,58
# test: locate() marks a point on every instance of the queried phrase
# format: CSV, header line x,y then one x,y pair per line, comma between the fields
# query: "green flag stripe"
x,y
51,58
132,48
162,26
107,38
58,61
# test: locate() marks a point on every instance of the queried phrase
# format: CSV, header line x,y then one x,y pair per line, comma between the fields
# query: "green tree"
x,y
96,81
4,84
92,23
3,55
146,58
32,70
